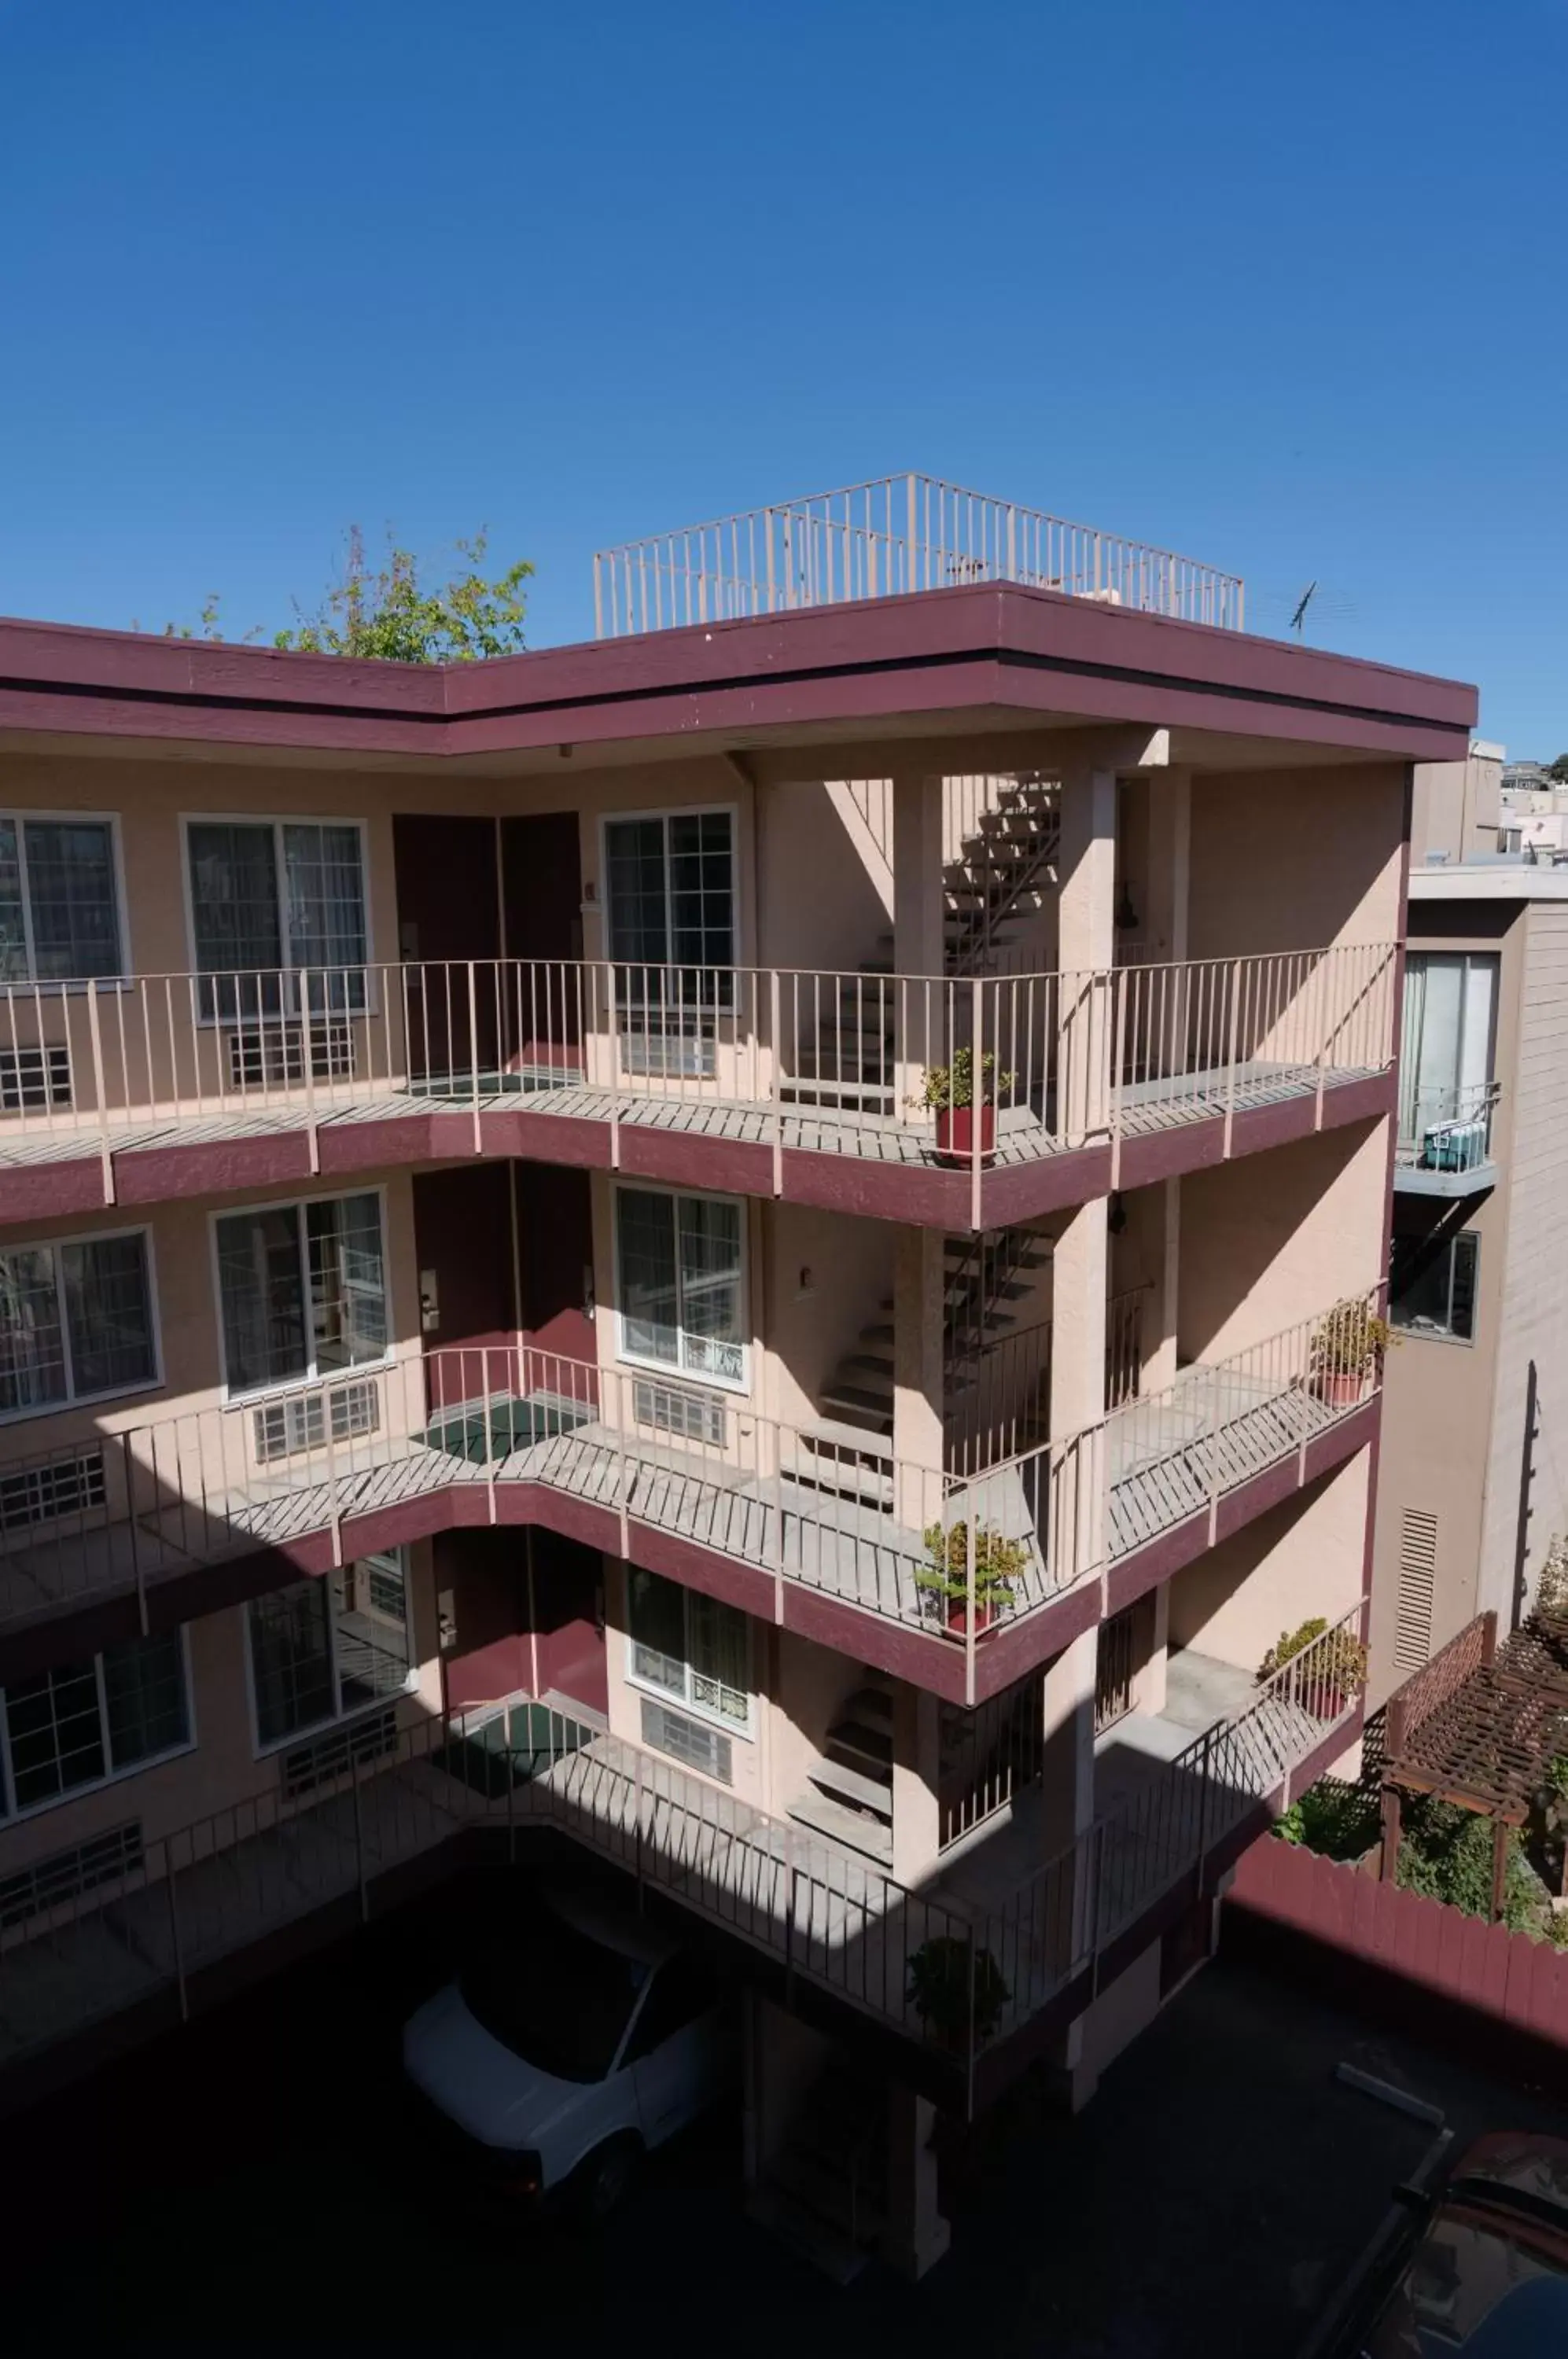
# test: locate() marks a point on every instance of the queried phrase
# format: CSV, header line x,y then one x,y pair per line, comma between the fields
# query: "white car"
x,y
566,2052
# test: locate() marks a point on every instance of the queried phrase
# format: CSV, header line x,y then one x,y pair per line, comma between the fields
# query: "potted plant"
x,y
997,1564
957,1991
1333,1672
1346,1350
949,1091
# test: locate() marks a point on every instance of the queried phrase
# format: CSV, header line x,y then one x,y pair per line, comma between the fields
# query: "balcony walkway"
x,y
1024,1133
1165,1458
212,1890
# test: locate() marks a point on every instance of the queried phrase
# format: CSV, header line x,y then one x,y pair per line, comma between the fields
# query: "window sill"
x,y
307,1387
732,1387
98,1786
274,1745
744,1730
81,1400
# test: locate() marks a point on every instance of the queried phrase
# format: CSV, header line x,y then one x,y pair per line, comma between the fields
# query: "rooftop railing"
x,y
880,539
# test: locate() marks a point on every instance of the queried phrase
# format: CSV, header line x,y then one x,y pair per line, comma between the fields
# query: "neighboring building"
x,y
1473,1474
1458,813
474,1242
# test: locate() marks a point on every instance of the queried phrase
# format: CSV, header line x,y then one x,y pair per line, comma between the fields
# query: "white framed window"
x,y
321,1651
301,1289
1450,1024
269,897
681,1283
669,889
77,1321
689,1648
59,897
84,1725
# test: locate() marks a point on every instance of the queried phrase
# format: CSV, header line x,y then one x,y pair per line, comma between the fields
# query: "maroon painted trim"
x,y
1132,1577
917,1195
1019,1647
995,645
927,1660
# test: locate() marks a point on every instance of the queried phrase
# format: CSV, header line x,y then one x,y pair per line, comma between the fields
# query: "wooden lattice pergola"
x,y
1478,1725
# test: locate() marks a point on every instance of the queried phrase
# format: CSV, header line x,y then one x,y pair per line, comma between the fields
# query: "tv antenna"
x,y
1299,619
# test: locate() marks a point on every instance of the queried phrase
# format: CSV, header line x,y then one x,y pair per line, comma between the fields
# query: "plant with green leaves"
x,y
998,1565
386,613
1335,1820
1337,1660
953,1086
1350,1342
1446,1852
957,1990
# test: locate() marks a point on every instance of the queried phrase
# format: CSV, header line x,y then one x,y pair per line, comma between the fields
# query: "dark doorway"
x,y
542,890
569,1620
449,914
481,1579
555,1239
463,1242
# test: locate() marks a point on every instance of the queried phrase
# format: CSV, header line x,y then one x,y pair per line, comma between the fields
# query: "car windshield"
x,y
555,1998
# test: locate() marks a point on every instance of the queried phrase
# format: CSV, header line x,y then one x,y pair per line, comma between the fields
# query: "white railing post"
x,y
95,1036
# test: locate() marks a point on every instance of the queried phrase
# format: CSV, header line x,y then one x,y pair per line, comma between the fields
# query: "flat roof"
x,y
989,657
1488,880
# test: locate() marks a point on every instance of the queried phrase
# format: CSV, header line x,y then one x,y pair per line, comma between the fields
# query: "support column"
x,y
918,906
916,2235
1160,1366
1085,948
917,1757
1152,1698
918,1286
1170,865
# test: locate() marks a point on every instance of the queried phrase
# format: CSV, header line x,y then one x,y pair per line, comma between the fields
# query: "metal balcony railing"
x,y
655,1452
881,539
180,1901
1446,1131
998,1068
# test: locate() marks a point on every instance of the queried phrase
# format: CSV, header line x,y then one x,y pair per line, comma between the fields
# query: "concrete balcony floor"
x,y
1025,1134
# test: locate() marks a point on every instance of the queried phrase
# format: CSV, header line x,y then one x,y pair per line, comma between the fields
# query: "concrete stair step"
x,y
862,1743
826,2248
863,1789
842,1825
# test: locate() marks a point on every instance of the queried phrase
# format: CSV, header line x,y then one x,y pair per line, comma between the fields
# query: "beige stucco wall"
x,y
1303,1557
1269,1242
223,1767
1295,859
1533,1316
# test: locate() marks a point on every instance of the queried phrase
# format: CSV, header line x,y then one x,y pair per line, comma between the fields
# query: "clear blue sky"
x,y
1283,288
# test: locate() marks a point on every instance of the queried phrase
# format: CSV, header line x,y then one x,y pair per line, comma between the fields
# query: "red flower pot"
x,y
958,1617
1339,1387
955,1132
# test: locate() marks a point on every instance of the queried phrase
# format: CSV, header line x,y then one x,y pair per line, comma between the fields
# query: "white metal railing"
x,y
951,1552
184,1900
883,539
962,1069
1446,1129
1056,1923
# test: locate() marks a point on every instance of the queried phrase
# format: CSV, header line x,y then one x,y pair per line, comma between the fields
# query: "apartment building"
x,y
745,1248
1474,1473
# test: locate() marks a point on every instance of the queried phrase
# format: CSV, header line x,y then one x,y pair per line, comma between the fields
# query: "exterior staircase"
x,y
825,2190
849,1794
987,1277
848,1059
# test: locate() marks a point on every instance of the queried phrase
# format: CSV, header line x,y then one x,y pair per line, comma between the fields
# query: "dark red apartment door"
x,y
449,914
541,886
